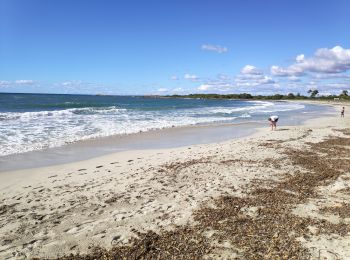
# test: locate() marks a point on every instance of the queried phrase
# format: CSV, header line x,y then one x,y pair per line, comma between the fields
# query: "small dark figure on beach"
x,y
273,122
342,112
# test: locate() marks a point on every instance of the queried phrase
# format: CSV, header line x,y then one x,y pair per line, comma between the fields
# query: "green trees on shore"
x,y
313,92
313,95
344,95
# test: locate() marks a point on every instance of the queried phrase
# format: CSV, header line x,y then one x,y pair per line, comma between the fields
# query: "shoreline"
x,y
154,139
106,200
181,136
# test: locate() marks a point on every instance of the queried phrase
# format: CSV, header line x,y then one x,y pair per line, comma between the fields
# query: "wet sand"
x,y
265,195
157,139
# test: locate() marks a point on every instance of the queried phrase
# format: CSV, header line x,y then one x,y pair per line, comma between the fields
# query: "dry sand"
x,y
106,201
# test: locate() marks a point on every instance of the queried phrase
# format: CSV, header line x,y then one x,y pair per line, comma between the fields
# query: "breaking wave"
x,y
24,131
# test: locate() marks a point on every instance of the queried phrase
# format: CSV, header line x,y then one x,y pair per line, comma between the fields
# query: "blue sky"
x,y
166,47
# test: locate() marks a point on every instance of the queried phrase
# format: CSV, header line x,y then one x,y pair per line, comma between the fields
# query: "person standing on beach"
x,y
273,122
342,112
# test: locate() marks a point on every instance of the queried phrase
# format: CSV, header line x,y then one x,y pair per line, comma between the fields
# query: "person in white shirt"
x,y
273,122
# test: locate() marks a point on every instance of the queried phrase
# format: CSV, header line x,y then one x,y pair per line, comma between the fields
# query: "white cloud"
x,y
191,77
66,83
300,58
19,82
253,81
215,48
162,90
71,83
24,82
335,60
4,83
286,72
174,77
251,76
204,87
330,76
223,77
294,78
249,69
216,86
334,86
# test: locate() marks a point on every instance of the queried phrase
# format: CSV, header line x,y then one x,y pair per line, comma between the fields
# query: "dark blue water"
x,y
42,102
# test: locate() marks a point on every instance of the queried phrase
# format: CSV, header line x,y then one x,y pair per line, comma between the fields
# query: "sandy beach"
x,y
273,194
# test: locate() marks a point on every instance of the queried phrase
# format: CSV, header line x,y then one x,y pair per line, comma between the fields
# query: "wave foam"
x,y
28,131
59,113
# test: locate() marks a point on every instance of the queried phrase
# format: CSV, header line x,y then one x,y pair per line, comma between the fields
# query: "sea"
x,y
32,122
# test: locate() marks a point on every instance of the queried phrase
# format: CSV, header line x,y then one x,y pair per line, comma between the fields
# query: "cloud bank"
x,y
326,70
335,60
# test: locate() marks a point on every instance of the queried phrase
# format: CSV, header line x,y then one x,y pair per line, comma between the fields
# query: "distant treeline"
x,y
298,96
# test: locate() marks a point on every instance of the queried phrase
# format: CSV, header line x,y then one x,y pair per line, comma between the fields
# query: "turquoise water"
x,y
30,122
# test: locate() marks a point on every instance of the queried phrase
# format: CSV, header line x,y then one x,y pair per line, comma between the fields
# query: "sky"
x,y
174,47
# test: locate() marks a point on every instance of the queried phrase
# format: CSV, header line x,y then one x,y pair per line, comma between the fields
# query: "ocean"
x,y
31,122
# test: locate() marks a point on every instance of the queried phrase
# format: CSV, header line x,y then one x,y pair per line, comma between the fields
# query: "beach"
x,y
271,194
